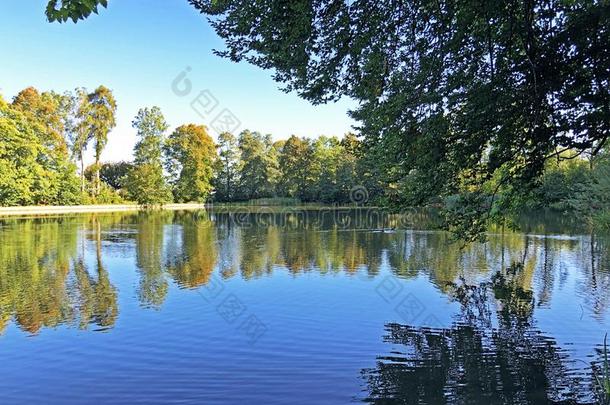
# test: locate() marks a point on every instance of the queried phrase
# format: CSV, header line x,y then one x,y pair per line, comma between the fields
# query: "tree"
x,y
190,158
47,114
451,94
228,166
32,169
350,171
295,163
562,179
98,119
259,172
45,110
328,157
77,128
589,191
145,182
146,185
459,98
114,173
19,149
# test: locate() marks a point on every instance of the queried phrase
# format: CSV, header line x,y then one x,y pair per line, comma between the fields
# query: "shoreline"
x,y
43,210
80,209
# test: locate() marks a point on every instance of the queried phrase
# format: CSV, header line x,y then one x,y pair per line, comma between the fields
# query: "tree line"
x,y
46,136
463,102
188,166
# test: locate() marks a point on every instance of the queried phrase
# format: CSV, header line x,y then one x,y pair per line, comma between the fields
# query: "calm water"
x,y
316,307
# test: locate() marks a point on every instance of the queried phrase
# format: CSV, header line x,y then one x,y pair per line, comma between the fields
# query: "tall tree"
x,y
259,172
190,158
145,182
296,167
327,156
99,119
228,166
77,128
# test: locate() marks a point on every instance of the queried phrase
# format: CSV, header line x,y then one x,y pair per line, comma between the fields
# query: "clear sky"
x,y
137,48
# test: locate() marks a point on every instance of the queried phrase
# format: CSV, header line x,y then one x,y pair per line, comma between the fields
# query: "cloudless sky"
x,y
137,48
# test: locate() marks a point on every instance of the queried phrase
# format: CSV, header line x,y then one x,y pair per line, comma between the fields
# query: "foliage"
x,y
458,101
259,171
34,167
574,184
146,185
100,120
563,177
190,158
65,122
324,169
275,201
76,127
296,172
72,9
46,111
151,127
113,173
145,182
107,195
227,167
448,92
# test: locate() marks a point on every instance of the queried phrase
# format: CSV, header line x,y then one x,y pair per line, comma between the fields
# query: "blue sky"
x,y
137,48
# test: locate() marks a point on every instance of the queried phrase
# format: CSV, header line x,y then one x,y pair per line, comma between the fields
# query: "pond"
x,y
316,306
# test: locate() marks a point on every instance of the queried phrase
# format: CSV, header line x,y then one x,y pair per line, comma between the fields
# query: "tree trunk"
x,y
82,174
228,190
97,176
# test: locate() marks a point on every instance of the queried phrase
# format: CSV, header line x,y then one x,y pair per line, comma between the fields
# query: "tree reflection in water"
x,y
494,353
475,362
45,282
191,252
153,286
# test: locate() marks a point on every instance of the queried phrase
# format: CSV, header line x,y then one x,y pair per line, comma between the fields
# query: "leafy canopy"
x,y
63,10
454,94
145,182
190,158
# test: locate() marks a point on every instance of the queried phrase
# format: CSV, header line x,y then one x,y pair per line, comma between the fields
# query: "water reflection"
x,y
479,360
96,298
149,235
61,271
44,281
191,250
52,270
467,364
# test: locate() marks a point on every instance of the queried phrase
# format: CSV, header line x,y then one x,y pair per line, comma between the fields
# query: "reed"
x,y
603,377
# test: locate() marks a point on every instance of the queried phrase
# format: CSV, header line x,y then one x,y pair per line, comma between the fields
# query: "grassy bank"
x,y
78,209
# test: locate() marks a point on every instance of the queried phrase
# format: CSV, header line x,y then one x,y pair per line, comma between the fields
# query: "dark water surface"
x,y
315,307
